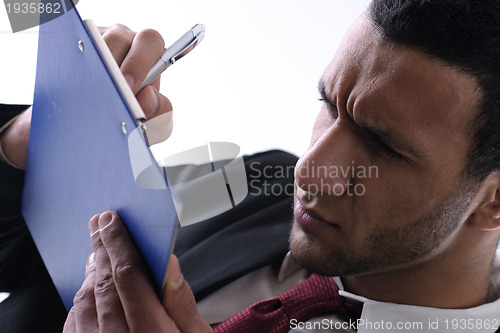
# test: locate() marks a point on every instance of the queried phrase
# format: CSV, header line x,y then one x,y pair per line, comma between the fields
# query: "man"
x,y
413,92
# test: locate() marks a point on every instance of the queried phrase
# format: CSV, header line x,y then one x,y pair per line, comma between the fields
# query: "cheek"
x,y
395,197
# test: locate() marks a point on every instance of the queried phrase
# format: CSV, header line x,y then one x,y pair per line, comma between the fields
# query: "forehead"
x,y
401,90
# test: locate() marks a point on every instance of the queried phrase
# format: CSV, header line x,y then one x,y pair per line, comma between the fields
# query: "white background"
x,y
252,80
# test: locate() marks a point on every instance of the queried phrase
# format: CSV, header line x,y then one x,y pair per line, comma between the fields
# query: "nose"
x,y
329,165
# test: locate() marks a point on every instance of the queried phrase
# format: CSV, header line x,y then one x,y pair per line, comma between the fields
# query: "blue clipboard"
x,y
79,162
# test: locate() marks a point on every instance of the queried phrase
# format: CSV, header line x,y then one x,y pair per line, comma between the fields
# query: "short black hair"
x,y
466,35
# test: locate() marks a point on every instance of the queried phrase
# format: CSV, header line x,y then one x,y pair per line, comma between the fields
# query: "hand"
x,y
135,53
117,295
14,140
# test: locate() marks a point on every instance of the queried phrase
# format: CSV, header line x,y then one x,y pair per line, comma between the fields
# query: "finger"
x,y
110,314
90,264
142,308
178,300
70,324
85,315
146,49
156,83
158,110
153,103
119,39
103,30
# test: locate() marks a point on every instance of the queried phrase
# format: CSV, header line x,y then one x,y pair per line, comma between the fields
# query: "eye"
x,y
384,148
332,109
388,151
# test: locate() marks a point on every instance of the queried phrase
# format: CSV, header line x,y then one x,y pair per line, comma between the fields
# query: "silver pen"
x,y
176,51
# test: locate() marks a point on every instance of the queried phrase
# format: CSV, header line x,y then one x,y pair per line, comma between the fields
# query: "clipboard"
x,y
81,159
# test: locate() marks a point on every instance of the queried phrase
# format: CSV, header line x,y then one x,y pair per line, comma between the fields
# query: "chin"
x,y
326,259
309,253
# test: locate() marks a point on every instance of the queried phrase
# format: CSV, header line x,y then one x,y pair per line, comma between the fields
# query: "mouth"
x,y
309,219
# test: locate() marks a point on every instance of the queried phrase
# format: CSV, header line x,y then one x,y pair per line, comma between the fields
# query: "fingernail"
x,y
130,80
177,277
152,102
94,225
174,272
90,259
105,220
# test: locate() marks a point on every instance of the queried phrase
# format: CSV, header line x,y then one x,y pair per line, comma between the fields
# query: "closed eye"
x,y
323,98
386,149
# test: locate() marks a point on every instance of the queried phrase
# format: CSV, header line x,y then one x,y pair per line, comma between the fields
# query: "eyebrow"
x,y
380,136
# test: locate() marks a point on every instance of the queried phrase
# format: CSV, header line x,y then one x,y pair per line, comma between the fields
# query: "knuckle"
x,y
83,295
151,35
106,314
118,37
126,275
104,283
121,27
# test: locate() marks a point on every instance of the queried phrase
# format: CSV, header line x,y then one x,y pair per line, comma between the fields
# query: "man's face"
x,y
379,188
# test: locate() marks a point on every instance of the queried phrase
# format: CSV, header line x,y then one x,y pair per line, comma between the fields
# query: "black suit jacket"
x,y
33,305
211,253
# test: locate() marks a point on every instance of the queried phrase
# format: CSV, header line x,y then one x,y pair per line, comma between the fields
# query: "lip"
x,y
309,219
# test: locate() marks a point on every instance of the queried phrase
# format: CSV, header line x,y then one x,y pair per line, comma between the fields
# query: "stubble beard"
x,y
386,248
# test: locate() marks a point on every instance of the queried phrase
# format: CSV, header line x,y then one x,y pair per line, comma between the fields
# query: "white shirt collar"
x,y
387,317
390,317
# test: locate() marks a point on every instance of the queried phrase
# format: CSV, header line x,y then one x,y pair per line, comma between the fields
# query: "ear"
x,y
486,217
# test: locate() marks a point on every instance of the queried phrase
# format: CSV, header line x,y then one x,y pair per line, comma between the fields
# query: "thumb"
x,y
178,300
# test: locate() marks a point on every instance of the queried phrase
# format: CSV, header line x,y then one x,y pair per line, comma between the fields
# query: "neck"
x,y
455,278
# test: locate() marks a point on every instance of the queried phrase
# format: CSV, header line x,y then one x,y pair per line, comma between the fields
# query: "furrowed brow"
x,y
380,136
